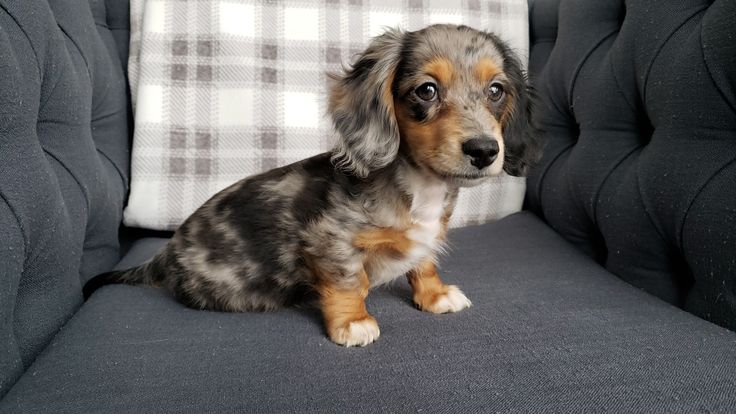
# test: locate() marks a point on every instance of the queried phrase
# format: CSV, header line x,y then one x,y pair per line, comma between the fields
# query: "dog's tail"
x,y
146,274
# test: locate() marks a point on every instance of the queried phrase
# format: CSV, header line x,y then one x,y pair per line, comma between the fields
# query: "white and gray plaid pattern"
x,y
223,89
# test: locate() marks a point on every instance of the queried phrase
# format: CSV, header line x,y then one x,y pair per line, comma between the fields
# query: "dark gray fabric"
x,y
140,251
63,168
549,331
638,110
542,32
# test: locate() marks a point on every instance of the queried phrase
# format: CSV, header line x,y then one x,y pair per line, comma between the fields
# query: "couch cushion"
x,y
223,90
639,115
63,168
549,330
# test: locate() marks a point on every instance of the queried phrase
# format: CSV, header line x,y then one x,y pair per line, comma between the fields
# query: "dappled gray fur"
x,y
245,248
268,240
369,136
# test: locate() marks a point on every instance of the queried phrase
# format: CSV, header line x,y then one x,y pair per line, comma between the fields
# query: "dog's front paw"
x,y
452,300
356,333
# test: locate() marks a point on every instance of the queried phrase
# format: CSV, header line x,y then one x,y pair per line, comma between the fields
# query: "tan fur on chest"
x,y
384,241
390,252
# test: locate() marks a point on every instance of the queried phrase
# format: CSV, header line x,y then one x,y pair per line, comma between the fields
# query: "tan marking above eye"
x,y
486,69
441,69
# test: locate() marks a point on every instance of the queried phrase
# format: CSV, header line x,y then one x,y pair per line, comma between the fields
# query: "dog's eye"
x,y
427,91
495,92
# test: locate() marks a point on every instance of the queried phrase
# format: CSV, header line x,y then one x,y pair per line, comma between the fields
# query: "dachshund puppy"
x,y
419,115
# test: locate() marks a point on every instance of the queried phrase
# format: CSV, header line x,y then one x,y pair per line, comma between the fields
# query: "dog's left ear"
x,y
520,135
362,108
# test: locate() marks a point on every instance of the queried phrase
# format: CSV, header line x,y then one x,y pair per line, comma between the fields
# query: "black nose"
x,y
482,151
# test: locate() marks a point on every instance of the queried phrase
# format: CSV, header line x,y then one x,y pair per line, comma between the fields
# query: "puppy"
x,y
419,115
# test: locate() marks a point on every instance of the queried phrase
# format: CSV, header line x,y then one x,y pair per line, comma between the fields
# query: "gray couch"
x,y
613,291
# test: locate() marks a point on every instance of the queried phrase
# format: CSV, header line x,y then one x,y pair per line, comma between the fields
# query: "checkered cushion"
x,y
226,89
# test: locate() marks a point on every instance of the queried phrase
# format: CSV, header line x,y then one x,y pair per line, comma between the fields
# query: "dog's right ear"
x,y
362,108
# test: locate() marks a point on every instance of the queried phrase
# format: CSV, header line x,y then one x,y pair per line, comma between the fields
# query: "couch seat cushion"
x,y
550,330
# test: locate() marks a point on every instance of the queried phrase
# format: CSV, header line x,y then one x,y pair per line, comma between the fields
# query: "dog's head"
x,y
453,100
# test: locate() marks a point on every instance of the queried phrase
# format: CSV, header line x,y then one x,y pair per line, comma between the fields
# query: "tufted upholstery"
x,y
63,161
639,114
549,330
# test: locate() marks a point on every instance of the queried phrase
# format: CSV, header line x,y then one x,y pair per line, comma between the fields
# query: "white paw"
x,y
357,333
452,301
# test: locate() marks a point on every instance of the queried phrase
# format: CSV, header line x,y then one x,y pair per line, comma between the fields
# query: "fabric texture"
x,y
549,331
640,124
63,167
226,89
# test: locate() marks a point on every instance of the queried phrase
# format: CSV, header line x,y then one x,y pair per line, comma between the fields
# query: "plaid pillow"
x,y
230,88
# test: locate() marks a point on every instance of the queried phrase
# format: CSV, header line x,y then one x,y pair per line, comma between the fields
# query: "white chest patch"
x,y
428,206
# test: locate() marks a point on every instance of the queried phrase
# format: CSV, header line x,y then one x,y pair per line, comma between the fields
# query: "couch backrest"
x,y
64,133
638,109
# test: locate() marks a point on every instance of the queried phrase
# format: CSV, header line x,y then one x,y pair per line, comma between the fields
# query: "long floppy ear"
x,y
520,134
362,108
